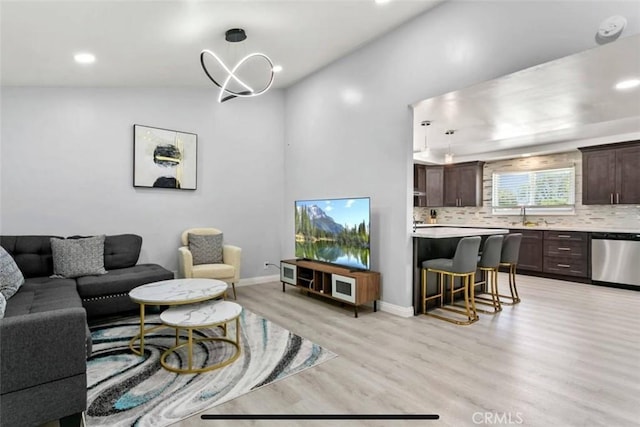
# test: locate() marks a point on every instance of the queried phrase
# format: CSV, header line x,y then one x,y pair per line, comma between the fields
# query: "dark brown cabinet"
x,y
566,253
462,184
611,173
530,258
434,188
427,185
419,185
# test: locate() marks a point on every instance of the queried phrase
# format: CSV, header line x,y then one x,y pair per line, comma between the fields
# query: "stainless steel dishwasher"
x,y
615,258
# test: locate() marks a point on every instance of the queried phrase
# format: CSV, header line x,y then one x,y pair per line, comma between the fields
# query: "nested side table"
x,y
208,314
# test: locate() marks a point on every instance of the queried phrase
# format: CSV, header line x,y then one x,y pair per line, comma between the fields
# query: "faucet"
x,y
524,215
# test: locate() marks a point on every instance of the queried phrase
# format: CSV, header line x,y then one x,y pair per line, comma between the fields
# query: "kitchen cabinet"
x,y
462,184
434,186
427,185
419,185
531,248
610,174
566,253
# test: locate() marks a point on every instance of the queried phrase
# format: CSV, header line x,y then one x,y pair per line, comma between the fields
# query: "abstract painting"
x,y
164,158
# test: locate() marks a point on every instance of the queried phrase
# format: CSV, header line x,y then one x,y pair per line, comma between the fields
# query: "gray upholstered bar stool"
x,y
488,264
463,265
509,258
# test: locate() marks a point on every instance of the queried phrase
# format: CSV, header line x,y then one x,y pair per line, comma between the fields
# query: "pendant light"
x,y
448,158
425,149
229,82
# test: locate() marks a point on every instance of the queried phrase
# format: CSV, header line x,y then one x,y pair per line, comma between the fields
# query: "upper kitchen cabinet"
x,y
611,174
463,184
427,186
435,184
419,185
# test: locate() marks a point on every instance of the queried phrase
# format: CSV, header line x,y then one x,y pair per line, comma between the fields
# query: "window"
x,y
549,191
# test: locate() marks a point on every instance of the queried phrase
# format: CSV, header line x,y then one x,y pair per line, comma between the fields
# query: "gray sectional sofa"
x,y
44,337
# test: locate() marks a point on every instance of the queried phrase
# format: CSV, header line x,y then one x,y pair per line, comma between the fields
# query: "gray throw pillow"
x,y
78,257
3,305
206,249
11,277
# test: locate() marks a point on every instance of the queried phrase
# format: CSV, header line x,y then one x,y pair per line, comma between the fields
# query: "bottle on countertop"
x,y
433,216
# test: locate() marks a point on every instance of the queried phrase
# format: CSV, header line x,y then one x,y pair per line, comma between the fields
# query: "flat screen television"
x,y
334,231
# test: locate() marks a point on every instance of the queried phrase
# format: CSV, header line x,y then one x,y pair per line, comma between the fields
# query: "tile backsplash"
x,y
614,216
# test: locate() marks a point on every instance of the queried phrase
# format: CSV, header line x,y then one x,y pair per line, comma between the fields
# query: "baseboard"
x,y
260,279
397,310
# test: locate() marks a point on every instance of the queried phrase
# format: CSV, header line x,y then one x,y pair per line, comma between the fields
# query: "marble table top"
x,y
202,314
178,291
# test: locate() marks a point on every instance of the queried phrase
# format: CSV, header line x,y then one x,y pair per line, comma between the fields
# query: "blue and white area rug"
x,y
129,390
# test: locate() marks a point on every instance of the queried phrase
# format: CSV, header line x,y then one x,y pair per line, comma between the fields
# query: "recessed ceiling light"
x,y
382,1
84,58
277,68
628,84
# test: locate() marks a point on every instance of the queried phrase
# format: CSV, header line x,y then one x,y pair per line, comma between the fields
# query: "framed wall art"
x,y
164,158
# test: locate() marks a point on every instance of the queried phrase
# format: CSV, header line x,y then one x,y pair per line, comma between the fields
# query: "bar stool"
x,y
509,258
463,265
488,264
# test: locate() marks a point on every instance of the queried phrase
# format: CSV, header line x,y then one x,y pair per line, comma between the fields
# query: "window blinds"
x,y
549,188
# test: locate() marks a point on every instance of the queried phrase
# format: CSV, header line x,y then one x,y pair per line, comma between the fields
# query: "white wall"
x,y
66,168
348,126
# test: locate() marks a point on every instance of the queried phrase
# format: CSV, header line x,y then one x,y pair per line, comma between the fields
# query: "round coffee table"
x,y
172,292
207,314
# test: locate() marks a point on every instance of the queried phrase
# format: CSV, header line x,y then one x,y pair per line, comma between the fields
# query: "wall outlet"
x,y
266,265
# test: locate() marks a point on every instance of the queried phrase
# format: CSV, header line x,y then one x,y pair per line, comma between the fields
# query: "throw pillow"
x,y
11,277
3,305
206,249
78,257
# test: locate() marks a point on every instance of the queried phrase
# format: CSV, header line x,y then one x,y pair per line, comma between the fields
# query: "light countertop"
x,y
446,232
584,228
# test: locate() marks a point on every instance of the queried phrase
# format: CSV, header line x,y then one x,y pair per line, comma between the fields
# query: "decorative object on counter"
x,y
433,214
463,264
164,158
509,258
232,85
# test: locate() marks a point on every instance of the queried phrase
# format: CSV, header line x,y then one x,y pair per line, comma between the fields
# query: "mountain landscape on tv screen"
x,y
320,237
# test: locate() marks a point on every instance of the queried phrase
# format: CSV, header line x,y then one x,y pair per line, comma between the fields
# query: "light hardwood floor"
x,y
568,355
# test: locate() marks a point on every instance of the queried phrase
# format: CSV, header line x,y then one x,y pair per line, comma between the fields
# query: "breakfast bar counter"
x,y
439,242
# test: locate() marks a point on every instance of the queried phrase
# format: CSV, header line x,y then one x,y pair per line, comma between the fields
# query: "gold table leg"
x,y
189,347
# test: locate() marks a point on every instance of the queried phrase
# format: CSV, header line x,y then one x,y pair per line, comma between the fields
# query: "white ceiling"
x,y
158,43
552,107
